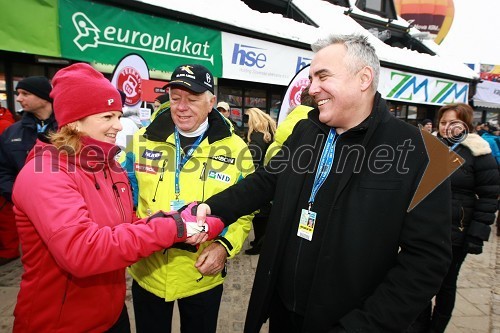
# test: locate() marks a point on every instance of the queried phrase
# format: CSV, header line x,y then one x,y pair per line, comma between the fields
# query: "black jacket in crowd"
x,y
15,143
375,265
475,189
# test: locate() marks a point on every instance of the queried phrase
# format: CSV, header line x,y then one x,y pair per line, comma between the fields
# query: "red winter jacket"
x,y
6,119
75,223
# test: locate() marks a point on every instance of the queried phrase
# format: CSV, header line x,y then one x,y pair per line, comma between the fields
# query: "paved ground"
x,y
477,309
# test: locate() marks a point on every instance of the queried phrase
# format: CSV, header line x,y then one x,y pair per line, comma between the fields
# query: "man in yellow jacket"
x,y
185,155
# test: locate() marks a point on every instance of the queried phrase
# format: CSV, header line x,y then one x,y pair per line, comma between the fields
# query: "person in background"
x,y
129,127
369,263
74,213
225,110
161,104
427,125
15,143
6,119
261,130
489,134
286,127
475,189
188,153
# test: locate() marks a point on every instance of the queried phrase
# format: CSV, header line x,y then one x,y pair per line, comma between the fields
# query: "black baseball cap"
x,y
196,78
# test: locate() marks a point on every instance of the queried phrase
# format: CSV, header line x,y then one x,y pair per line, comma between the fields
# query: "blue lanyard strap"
x,y
180,162
325,164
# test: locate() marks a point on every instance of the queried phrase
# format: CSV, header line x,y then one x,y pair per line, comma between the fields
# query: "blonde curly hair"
x,y
259,121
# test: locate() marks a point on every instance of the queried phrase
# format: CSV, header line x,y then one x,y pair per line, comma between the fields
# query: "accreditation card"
x,y
306,224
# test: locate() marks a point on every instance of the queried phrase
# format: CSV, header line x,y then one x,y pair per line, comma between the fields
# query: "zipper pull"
x,y
202,175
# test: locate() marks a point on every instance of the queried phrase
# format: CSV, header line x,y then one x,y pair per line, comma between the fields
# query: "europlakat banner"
x,y
94,32
413,88
250,59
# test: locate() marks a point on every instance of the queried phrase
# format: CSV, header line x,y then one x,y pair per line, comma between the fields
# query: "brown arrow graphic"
x,y
442,163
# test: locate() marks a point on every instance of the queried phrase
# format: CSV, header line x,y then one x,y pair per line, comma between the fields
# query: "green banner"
x,y
98,33
29,26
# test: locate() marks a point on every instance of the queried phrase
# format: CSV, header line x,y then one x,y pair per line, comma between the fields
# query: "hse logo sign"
x,y
250,56
302,62
90,35
219,176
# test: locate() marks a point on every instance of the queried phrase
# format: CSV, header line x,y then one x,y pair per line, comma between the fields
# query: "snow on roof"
x,y
330,19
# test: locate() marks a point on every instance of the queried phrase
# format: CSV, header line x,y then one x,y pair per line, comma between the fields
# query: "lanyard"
x,y
180,162
325,164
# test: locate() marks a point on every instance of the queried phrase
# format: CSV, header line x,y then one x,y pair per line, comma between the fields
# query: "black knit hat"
x,y
37,85
162,98
426,121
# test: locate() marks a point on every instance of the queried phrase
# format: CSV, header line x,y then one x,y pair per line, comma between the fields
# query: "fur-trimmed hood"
x,y
477,145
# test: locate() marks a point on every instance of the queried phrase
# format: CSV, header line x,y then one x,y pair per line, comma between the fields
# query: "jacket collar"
x,y
163,126
93,157
378,114
29,120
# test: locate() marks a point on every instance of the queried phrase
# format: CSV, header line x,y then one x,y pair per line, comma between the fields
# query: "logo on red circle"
x,y
129,81
296,91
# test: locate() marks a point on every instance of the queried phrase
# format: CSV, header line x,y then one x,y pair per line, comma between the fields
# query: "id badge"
x,y
176,204
306,224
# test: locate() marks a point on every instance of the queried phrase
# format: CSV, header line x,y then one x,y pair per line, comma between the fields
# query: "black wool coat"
x,y
378,264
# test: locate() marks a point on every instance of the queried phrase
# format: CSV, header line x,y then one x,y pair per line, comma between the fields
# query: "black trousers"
x,y
283,320
198,313
122,325
445,298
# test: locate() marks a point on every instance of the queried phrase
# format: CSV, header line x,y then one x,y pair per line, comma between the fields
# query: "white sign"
x,y
254,60
293,93
128,76
413,88
487,94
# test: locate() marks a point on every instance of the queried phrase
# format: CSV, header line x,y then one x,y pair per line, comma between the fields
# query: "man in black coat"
x,y
366,262
15,143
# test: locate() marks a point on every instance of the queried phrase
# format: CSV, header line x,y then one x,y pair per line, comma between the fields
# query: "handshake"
x,y
187,224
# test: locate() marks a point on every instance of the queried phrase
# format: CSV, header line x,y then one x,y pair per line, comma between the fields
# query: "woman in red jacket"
x,y
75,217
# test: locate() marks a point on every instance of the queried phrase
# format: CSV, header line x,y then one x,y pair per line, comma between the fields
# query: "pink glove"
x,y
175,218
213,225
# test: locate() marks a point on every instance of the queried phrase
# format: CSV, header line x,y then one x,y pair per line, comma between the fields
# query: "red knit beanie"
x,y
80,91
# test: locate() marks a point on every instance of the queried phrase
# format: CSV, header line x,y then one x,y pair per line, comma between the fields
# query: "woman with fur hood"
x,y
475,189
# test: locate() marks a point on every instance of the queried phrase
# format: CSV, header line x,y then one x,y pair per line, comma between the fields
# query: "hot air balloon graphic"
x,y
432,16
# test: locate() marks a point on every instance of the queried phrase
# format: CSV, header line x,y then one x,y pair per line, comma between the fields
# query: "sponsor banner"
x,y
128,76
293,92
94,32
487,94
152,89
30,27
490,72
407,87
254,60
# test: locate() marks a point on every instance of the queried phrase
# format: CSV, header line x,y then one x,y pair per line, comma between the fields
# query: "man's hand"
x,y
202,212
197,239
212,260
